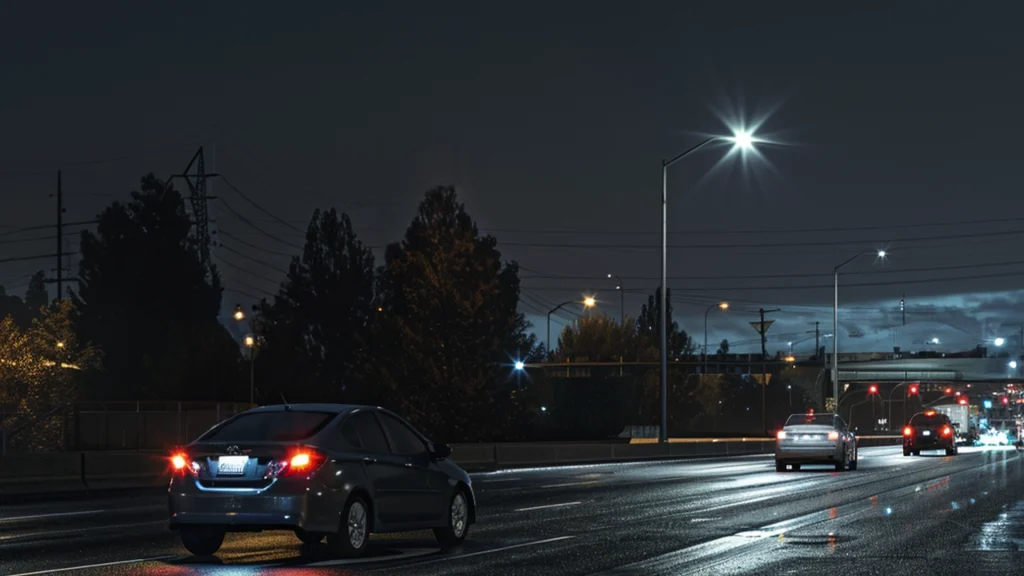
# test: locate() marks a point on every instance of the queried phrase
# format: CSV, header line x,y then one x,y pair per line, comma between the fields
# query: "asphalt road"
x,y
896,515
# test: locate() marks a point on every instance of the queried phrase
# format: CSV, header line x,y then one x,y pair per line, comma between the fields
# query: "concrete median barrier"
x,y
70,472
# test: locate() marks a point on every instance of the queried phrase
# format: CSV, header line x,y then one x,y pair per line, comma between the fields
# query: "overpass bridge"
x,y
952,370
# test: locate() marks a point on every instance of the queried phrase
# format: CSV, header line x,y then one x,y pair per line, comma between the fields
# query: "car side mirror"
x,y
440,451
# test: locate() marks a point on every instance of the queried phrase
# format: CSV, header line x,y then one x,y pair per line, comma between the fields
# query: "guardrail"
x,y
69,472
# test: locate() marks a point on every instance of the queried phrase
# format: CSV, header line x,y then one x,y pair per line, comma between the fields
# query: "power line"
x,y
242,293
760,244
257,206
256,260
24,258
45,227
245,220
251,245
542,276
758,231
247,271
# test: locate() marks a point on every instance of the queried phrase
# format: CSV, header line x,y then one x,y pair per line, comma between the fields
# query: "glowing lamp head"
x,y
1013,364
934,340
519,365
948,391
250,341
913,389
881,253
589,302
999,341
743,139
873,389
723,305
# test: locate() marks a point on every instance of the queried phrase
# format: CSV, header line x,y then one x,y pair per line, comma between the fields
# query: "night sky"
x,y
892,126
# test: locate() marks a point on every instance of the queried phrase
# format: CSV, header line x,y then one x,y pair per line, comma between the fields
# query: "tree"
x,y
39,376
649,329
37,296
15,309
448,324
149,303
598,338
317,331
723,348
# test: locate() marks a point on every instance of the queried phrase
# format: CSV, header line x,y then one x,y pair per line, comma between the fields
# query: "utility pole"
x,y
60,238
762,328
817,346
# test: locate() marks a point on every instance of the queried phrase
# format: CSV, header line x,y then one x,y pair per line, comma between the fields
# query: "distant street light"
x,y
588,302
721,306
520,365
999,341
621,287
835,323
239,315
934,340
1013,364
60,344
742,140
249,341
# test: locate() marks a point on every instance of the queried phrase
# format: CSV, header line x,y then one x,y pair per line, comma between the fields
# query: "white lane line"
x,y
563,485
52,515
480,553
499,480
546,506
52,533
90,566
402,555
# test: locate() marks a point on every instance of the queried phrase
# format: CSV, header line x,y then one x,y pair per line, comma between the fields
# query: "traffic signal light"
x,y
949,391
873,389
912,389
1006,400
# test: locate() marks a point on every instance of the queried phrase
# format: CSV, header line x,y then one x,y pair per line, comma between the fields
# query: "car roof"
x,y
314,407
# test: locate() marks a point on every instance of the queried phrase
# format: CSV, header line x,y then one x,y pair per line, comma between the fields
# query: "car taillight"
x,y
908,431
781,435
182,464
833,435
299,462
947,431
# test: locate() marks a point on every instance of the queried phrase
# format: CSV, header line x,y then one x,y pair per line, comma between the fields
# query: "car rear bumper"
x,y
929,444
241,511
798,454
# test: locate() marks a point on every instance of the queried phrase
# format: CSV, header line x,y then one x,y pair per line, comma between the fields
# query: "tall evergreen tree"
x,y
37,296
147,301
449,324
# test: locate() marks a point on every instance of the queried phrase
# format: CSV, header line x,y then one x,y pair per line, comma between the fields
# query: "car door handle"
x,y
369,460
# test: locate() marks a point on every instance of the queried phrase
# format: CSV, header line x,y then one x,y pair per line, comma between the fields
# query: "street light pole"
x,y
588,302
742,140
722,306
622,298
835,325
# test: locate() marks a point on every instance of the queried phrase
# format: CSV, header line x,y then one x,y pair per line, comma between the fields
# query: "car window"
x,y
811,420
371,437
283,426
927,420
405,441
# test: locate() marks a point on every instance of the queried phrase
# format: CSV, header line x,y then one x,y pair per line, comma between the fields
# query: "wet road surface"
x,y
895,515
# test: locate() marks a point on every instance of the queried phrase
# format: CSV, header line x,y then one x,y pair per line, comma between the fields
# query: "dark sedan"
x,y
930,430
328,471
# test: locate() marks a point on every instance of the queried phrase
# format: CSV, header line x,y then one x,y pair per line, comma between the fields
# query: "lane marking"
x,y
90,566
52,515
480,553
563,485
404,554
499,480
52,533
546,506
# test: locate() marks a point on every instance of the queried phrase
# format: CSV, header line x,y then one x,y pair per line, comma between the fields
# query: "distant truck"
x,y
961,418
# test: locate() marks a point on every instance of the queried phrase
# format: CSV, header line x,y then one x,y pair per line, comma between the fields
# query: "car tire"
x,y
780,466
951,451
353,535
917,452
202,541
841,465
796,467
458,522
853,463
906,452
309,538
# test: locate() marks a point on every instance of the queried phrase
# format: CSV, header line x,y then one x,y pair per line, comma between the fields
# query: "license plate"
x,y
231,465
926,433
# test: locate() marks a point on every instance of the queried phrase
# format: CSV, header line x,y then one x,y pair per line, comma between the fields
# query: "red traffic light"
x,y
1006,400
963,401
873,389
912,389
949,391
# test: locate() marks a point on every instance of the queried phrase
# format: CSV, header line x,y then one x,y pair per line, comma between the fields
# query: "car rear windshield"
x,y
810,420
927,420
287,426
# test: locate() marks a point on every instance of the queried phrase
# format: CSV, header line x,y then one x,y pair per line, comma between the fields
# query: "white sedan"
x,y
815,439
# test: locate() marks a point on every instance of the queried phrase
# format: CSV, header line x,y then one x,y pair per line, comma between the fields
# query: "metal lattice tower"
x,y
198,199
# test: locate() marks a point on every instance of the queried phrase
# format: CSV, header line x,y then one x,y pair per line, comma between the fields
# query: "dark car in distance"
x,y
328,471
929,430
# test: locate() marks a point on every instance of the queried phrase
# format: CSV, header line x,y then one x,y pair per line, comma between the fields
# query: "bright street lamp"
x,y
835,323
723,306
1013,364
519,365
999,341
742,140
588,302
239,315
934,340
250,341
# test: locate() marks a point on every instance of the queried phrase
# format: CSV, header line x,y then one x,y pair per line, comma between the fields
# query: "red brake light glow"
x,y
908,431
963,401
833,435
181,463
300,462
946,431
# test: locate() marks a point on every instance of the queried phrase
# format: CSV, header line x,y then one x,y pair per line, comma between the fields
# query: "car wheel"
x,y
202,541
309,537
950,451
841,465
458,522
853,463
780,466
917,452
796,467
354,531
906,452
